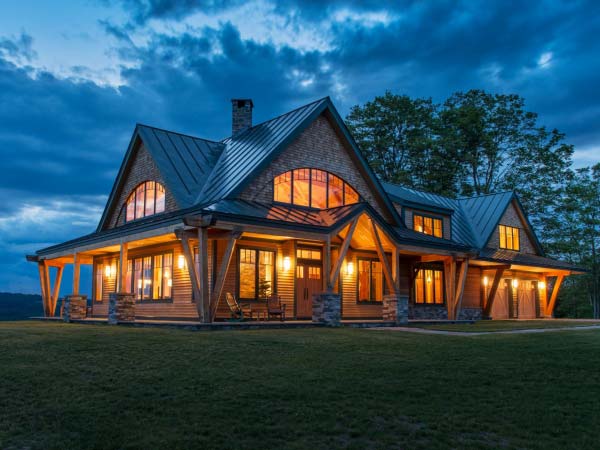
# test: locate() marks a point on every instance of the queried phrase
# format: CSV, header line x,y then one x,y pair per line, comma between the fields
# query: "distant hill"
x,y
20,306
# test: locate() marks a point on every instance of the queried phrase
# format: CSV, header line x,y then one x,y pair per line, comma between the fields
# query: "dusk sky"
x,y
76,76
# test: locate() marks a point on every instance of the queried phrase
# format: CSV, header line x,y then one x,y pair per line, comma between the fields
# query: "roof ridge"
x,y
276,117
138,124
508,191
419,190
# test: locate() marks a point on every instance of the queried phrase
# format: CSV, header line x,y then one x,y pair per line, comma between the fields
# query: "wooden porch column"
x,y
204,298
450,279
220,280
56,290
76,273
44,287
327,285
489,299
191,266
396,268
460,289
552,301
384,262
121,281
335,272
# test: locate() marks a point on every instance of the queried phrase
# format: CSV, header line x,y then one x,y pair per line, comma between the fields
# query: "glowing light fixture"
x,y
181,262
113,270
287,263
139,284
350,268
515,283
428,279
486,281
107,271
541,285
170,282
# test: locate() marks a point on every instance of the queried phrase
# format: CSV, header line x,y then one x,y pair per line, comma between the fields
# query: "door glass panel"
x,y
247,273
363,280
376,281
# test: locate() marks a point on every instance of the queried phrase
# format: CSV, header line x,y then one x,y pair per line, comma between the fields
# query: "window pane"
x,y
350,195
419,293
147,276
376,281
502,232
131,207
247,273
139,201
437,227
157,279
319,189
98,293
363,280
129,289
428,225
149,198
336,191
301,187
418,223
137,280
282,189
428,286
516,239
439,292
167,275
314,273
266,273
160,198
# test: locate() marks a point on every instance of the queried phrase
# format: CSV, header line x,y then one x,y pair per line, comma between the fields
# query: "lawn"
x,y
82,386
506,325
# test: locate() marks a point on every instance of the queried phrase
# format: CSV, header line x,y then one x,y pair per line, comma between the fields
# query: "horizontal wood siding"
x,y
286,279
472,292
351,309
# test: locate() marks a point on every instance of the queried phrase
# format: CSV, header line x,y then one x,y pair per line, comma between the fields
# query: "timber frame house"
x,y
290,207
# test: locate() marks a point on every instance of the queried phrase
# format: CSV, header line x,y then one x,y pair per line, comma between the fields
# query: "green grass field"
x,y
82,386
507,325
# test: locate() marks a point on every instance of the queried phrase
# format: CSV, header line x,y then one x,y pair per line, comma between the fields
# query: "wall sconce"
x,y
486,281
541,285
287,263
350,268
515,283
181,262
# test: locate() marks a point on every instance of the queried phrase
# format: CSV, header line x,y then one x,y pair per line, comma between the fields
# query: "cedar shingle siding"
x,y
511,218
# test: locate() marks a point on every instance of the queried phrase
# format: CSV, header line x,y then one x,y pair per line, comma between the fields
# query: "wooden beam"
x,y
460,288
450,281
384,262
189,259
76,273
335,272
202,221
396,268
122,280
435,258
552,302
489,302
43,287
327,286
203,273
56,290
220,280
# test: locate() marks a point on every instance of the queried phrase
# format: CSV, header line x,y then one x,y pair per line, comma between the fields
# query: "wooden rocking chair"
x,y
275,308
239,312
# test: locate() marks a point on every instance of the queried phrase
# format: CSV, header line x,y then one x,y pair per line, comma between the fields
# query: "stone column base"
x,y
74,307
121,307
327,309
395,309
470,314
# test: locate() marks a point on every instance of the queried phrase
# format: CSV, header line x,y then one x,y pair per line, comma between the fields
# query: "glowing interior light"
x,y
107,271
287,263
139,284
429,279
113,270
181,262
515,283
170,282
485,281
350,268
541,285
167,273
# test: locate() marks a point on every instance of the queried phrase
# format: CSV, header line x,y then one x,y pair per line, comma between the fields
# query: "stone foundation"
x,y
428,312
470,314
121,307
74,307
395,309
327,309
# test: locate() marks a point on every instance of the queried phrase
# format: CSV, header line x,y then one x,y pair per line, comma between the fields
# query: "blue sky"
x,y
75,77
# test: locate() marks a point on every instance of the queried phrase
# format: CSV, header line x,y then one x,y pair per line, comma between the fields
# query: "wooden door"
x,y
308,282
500,306
526,300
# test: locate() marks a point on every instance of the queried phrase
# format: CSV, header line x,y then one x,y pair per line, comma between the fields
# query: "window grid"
x,y
147,198
509,237
432,226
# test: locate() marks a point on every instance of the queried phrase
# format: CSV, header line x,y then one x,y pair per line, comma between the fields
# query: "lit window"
x,y
146,199
427,225
370,281
314,188
429,286
509,237
152,276
98,287
305,253
256,273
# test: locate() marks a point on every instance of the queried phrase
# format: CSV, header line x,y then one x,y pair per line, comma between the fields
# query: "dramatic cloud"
x,y
70,94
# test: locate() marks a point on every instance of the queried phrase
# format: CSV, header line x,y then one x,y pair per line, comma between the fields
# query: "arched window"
x,y
314,188
146,199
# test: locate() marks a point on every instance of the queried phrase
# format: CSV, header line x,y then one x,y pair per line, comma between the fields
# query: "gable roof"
x,y
248,153
184,162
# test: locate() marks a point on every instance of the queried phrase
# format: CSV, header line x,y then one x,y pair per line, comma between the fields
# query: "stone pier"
x,y
74,307
121,307
327,309
395,309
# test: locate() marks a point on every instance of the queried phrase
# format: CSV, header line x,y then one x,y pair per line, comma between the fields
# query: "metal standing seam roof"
x,y
247,151
511,257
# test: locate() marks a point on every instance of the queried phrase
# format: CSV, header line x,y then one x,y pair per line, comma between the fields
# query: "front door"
x,y
526,295
308,282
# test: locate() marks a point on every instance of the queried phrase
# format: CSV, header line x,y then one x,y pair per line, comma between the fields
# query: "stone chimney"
x,y
241,116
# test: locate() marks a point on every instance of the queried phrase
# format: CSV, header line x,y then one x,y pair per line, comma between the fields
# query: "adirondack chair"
x,y
238,311
275,308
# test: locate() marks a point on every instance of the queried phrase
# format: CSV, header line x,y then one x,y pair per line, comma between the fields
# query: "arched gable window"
x,y
314,188
146,199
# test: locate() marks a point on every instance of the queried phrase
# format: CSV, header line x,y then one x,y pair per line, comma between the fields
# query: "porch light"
x,y
515,283
541,285
486,281
350,268
107,271
181,262
287,263
170,282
